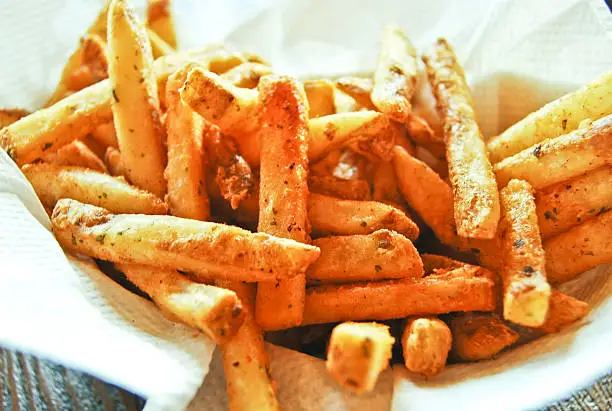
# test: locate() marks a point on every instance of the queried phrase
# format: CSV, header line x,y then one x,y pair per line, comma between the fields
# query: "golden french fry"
x,y
320,95
336,187
422,134
424,106
159,47
247,75
569,203
358,353
556,118
215,311
359,88
563,311
76,154
395,76
207,250
343,103
93,64
579,249
135,104
561,158
386,189
381,255
159,20
433,262
105,134
468,288
9,116
112,158
426,342
479,336
46,130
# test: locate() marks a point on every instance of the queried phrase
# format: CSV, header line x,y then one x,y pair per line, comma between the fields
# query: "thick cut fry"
x,y
563,311
433,262
9,116
245,361
558,117
135,104
54,182
336,187
426,342
206,250
159,19
320,95
247,75
479,336
579,249
76,154
46,130
381,255
526,291
359,88
112,158
215,311
358,353
468,288
422,134
475,195
283,191
185,173
158,46
560,158
395,77
105,134
332,216
93,64
385,185
569,203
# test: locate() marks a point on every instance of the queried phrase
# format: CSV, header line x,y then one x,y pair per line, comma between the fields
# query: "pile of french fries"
x,y
243,201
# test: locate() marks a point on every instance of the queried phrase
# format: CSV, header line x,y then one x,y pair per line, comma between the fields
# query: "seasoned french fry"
x,y
395,76
158,46
159,20
569,203
424,106
358,353
93,64
359,88
426,342
135,104
247,75
579,249
105,134
46,130
76,154
479,336
332,216
386,189
468,288
320,95
207,250
558,117
112,158
381,255
433,262
563,311
54,182
9,116
560,158
475,195
526,291
216,312
336,187
422,134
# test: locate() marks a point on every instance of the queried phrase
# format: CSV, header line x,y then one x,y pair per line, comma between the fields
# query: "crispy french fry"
x,y
105,134
563,311
332,216
556,118
247,75
215,311
579,249
159,19
422,134
54,182
46,130
207,250
359,88
560,158
385,185
395,75
350,166
336,187
426,342
76,154
569,203
381,255
135,104
526,291
358,353
468,288
424,106
343,103
112,158
93,64
479,336
158,46
433,262
475,195
320,95
9,116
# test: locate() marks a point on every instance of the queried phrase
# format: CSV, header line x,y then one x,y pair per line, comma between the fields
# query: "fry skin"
x,y
563,311
561,158
358,353
247,75
76,154
479,336
335,187
426,342
381,255
206,250
475,195
135,104
320,95
359,88
159,20
112,158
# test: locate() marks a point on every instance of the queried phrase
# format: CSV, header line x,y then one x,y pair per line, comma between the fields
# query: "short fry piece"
x,y
207,250
160,21
247,75
563,311
336,187
76,154
359,88
320,95
426,342
358,353
112,158
480,336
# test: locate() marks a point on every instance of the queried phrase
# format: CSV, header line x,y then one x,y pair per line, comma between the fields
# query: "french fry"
x,y
563,311
112,158
215,311
433,262
283,192
54,182
332,216
569,203
159,47
336,187
46,130
385,185
159,20
105,134
76,154
479,336
135,104
561,158
206,250
343,103
468,288
395,75
93,64
9,116
579,249
247,75
556,118
526,291
381,255
426,342
422,134
475,195
320,95
359,88
358,353
424,106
